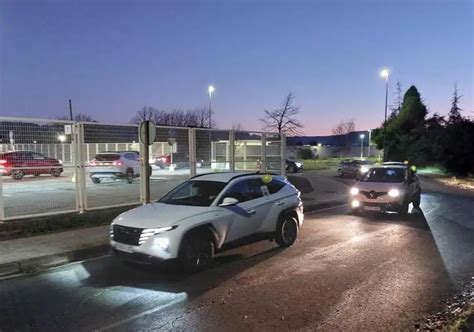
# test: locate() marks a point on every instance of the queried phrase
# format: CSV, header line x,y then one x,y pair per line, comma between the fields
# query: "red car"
x,y
17,164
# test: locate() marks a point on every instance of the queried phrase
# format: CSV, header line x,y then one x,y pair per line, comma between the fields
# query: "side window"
x,y
36,156
245,190
275,186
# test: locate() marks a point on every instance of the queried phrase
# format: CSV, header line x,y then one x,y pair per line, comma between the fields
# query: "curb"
x,y
37,264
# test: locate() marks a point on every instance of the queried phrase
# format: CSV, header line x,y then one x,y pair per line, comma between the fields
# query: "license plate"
x,y
372,208
124,247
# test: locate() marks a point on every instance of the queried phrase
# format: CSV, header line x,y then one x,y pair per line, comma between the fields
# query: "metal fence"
x,y
62,166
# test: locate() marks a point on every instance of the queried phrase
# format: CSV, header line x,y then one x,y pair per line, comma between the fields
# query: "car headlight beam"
x,y
394,193
354,191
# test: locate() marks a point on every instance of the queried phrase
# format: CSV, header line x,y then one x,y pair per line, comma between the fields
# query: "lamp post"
x,y
370,138
385,73
210,89
362,146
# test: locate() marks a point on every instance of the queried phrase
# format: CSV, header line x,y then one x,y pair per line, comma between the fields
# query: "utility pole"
x,y
70,109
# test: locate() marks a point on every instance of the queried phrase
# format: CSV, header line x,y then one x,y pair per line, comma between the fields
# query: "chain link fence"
x,y
53,166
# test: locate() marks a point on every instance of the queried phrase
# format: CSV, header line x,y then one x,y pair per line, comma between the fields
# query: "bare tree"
x,y
177,117
145,114
283,119
78,117
237,127
344,128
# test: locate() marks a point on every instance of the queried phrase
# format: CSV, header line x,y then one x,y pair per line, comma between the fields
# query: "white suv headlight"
x,y
149,232
354,191
364,169
394,193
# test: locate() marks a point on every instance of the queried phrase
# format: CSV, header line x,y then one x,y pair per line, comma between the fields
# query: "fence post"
x,y
231,150
82,166
263,166
141,148
74,155
2,206
192,151
283,154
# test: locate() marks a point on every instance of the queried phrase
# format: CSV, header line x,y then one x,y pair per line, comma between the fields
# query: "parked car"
x,y
208,214
178,159
353,167
386,188
292,166
17,164
115,165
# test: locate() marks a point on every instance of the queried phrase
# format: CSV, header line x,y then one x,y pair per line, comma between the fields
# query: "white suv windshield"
x,y
390,175
194,193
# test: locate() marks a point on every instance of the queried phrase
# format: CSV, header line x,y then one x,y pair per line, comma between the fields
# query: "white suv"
x,y
114,165
386,188
207,214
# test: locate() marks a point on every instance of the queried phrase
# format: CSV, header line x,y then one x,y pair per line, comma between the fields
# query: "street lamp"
x,y
362,146
210,89
370,138
385,73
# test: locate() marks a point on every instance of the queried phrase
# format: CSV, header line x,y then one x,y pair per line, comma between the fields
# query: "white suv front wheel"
x,y
286,231
196,252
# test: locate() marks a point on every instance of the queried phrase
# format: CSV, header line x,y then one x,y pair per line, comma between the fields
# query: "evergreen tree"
x,y
455,112
398,101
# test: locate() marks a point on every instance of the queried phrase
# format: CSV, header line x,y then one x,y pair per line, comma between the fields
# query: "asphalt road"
x,y
376,272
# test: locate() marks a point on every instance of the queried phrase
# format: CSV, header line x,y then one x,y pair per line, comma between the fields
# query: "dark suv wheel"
x,y
18,174
196,252
130,176
286,231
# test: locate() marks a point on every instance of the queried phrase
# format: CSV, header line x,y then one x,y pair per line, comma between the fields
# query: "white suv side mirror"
x,y
229,201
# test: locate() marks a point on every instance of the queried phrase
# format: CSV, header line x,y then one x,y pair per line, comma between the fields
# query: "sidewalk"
x,y
320,189
31,253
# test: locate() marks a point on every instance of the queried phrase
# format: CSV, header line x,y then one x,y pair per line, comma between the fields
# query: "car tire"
x,y
130,176
56,173
17,174
95,180
292,169
340,173
196,252
286,231
417,200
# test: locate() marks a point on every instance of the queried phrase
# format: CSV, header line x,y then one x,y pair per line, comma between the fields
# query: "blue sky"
x,y
113,57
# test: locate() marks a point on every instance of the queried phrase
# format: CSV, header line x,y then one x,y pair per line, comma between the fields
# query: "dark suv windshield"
x,y
194,193
391,175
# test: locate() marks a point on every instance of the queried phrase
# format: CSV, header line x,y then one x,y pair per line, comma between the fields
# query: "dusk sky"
x,y
114,57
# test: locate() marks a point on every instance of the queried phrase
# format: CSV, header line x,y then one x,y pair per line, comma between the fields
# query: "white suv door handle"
x,y
280,203
251,211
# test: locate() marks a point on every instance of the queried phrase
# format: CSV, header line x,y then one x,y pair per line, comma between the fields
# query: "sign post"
x,y
147,135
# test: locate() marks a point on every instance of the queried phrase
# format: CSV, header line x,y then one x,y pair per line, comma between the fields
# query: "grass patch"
x,y
43,225
320,164
327,163
463,322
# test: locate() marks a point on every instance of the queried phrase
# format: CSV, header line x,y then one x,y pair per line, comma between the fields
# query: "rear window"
x,y
107,157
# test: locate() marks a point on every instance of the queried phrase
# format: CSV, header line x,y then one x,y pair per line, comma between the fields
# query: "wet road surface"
x,y
373,272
